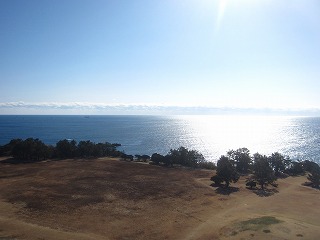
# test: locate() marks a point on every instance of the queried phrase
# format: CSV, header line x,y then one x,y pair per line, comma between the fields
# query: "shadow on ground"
x,y
15,161
265,192
226,191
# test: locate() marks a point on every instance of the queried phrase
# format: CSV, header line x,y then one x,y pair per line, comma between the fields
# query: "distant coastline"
x,y
88,109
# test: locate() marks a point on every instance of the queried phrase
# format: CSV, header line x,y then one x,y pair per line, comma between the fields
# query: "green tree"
x,y
145,157
99,150
294,168
157,158
278,163
216,179
87,149
314,178
310,166
30,150
185,157
112,149
179,156
207,165
168,161
127,157
66,149
241,158
263,173
6,150
226,172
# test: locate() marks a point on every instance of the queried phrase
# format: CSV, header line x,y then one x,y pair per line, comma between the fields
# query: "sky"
x,y
159,57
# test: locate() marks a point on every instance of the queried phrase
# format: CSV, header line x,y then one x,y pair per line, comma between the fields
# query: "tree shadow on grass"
x,y
15,161
226,190
7,238
215,185
265,192
310,184
10,176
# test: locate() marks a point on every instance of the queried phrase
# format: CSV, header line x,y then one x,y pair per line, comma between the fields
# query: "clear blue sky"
x,y
145,56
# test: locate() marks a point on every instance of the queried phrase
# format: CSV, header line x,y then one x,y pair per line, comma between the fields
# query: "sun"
x,y
221,10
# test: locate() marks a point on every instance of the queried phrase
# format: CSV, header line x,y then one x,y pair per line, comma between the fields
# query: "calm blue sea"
x,y
298,137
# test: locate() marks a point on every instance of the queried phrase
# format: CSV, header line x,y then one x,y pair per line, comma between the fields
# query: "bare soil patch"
x,y
112,199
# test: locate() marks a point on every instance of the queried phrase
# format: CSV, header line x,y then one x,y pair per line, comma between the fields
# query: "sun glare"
x,y
218,134
221,10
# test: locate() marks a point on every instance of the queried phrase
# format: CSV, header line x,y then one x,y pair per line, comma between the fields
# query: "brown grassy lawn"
x,y
112,199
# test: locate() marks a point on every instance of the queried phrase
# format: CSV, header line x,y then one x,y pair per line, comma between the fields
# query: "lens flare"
x,y
221,10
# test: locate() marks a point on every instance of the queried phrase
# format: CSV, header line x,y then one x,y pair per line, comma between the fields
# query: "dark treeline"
x,y
176,157
184,157
262,170
33,150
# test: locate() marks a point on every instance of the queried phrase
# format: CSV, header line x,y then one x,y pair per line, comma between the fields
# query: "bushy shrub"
x,y
241,159
226,172
314,178
30,150
251,184
263,172
216,179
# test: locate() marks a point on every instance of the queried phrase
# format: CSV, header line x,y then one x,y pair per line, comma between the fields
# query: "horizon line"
x,y
86,108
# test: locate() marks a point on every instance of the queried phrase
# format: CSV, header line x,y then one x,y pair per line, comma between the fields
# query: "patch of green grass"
x,y
254,224
262,221
258,223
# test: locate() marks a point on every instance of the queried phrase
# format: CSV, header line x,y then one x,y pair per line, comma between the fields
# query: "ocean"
x,y
296,137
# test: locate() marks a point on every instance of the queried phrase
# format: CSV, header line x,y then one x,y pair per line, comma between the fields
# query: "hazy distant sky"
x,y
122,56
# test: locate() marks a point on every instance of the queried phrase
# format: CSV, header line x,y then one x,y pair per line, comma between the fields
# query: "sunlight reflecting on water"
x,y
214,135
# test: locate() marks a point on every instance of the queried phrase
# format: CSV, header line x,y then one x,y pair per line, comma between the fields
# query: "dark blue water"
x,y
211,135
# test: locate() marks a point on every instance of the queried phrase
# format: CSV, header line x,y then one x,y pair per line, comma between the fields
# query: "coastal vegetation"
x,y
184,157
260,169
34,150
226,172
169,191
263,173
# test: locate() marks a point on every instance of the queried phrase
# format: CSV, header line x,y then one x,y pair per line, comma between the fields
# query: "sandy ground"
x,y
112,199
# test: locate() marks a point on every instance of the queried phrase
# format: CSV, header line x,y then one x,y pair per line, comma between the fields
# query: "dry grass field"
x,y
113,199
